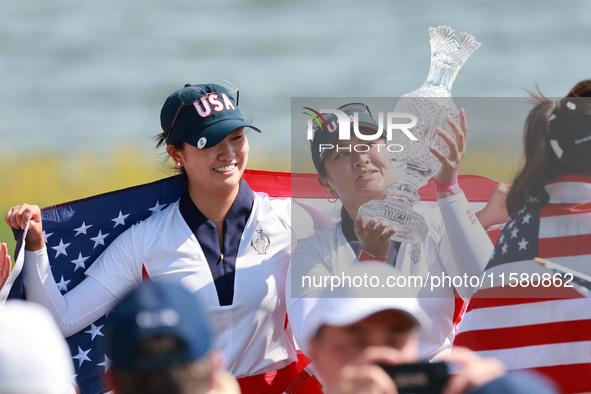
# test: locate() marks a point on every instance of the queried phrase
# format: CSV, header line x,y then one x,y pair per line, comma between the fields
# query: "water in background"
x,y
87,76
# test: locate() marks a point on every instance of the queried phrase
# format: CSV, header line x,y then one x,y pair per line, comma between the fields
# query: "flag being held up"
x,y
76,233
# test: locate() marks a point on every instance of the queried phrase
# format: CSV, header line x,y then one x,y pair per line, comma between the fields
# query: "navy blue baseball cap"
x,y
324,135
570,124
202,115
155,326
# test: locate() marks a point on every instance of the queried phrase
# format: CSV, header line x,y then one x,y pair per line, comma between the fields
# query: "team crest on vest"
x,y
260,242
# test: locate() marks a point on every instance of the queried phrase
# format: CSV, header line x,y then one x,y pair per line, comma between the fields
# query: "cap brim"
x,y
355,310
215,133
340,312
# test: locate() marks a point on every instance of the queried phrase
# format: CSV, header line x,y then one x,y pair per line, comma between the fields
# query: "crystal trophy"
x,y
412,168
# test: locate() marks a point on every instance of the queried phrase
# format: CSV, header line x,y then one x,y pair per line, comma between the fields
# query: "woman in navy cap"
x,y
221,240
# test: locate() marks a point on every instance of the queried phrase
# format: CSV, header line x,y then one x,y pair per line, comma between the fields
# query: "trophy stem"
x,y
442,75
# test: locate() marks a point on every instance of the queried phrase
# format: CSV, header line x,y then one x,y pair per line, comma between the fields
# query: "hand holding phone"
x,y
471,370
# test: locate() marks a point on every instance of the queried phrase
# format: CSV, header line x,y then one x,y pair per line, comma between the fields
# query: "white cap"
x,y
34,356
343,306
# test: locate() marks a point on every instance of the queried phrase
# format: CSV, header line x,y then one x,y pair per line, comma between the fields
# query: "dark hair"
x,y
541,162
179,145
191,378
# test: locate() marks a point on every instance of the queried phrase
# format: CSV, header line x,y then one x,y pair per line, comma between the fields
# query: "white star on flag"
x,y
526,218
80,262
157,207
514,233
61,248
45,236
523,244
106,363
502,238
82,356
521,210
94,331
82,229
505,246
120,219
62,285
532,199
510,223
99,239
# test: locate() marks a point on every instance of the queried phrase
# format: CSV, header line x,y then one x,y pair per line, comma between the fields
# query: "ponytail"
x,y
551,120
540,158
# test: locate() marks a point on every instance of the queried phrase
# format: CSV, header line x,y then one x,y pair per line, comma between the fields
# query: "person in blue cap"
x,y
226,243
159,341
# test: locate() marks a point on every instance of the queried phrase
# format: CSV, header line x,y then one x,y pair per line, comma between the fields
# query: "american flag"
x,y
547,329
77,232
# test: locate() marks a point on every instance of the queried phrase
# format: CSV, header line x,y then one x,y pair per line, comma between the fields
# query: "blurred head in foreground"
x,y
34,357
345,324
350,334
159,341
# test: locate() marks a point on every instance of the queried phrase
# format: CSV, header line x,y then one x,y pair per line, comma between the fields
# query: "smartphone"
x,y
418,378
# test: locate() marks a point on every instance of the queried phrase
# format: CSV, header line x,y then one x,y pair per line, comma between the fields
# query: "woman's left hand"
x,y
450,165
5,264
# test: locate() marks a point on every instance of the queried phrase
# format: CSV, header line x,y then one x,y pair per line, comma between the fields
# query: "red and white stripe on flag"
x,y
306,190
551,335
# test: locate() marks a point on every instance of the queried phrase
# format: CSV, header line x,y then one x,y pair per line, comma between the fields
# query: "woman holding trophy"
x,y
359,177
444,246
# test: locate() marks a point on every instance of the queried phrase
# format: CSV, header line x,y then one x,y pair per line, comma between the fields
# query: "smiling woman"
x,y
208,241
356,177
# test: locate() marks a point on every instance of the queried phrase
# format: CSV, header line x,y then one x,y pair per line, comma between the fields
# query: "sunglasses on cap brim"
x,y
351,107
189,94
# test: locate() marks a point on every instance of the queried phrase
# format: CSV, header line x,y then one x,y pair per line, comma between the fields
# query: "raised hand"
x,y
5,264
450,165
18,216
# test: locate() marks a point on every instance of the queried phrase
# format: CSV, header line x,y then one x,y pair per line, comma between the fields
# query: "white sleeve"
x,y
72,312
469,243
305,261
119,267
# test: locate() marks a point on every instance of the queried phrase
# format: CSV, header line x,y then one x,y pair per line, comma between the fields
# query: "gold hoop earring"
x,y
328,196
